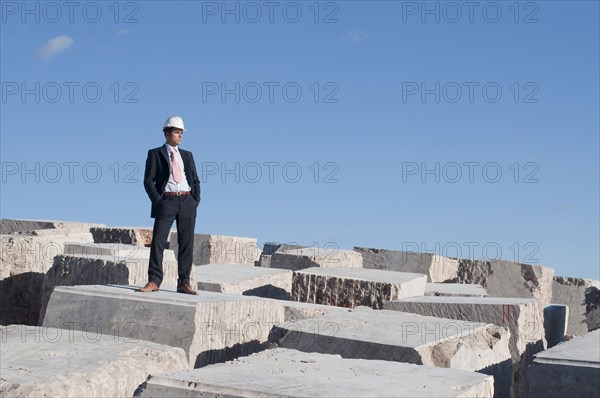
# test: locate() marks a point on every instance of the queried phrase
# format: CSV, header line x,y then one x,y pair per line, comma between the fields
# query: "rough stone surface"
x,y
221,249
100,270
364,333
116,250
244,279
290,373
507,278
297,259
454,289
52,362
500,278
140,236
21,253
437,268
210,327
351,287
578,295
44,227
570,369
271,247
592,299
25,261
264,261
523,317
556,318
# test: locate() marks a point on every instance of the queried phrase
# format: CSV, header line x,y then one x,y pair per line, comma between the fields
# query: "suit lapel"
x,y
165,153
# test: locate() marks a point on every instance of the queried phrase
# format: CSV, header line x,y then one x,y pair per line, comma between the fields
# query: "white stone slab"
x,y
290,373
307,257
364,333
102,270
295,310
523,317
54,362
437,268
245,280
351,287
210,327
454,289
25,260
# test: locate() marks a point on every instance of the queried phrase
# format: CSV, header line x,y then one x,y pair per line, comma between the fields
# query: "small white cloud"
x,y
356,36
55,46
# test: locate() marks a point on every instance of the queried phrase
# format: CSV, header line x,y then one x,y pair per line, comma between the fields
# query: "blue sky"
x,y
390,124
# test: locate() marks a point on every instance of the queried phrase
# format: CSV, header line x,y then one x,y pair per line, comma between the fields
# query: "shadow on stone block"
x,y
269,291
228,353
502,373
68,271
20,300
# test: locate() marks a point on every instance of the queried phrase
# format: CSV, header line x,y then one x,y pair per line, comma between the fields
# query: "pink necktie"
x,y
176,168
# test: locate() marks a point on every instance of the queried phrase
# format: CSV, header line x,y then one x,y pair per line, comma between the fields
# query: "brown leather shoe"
x,y
186,288
150,287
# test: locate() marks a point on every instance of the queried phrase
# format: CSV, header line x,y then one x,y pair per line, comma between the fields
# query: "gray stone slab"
x,y
437,268
556,318
117,250
37,227
523,317
210,327
141,236
581,351
570,369
245,280
280,372
454,289
301,258
221,249
364,333
503,278
500,278
102,270
271,247
578,294
351,287
51,362
25,261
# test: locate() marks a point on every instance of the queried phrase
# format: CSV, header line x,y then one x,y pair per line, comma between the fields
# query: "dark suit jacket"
x,y
158,170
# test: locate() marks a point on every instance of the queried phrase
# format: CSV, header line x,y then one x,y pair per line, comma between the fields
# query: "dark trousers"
x,y
183,210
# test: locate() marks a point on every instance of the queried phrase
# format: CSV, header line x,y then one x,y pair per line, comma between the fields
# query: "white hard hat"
x,y
174,121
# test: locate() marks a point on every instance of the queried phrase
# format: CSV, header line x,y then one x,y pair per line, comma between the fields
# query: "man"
x,y
173,187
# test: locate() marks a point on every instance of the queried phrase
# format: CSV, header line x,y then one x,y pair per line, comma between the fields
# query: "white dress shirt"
x,y
172,186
